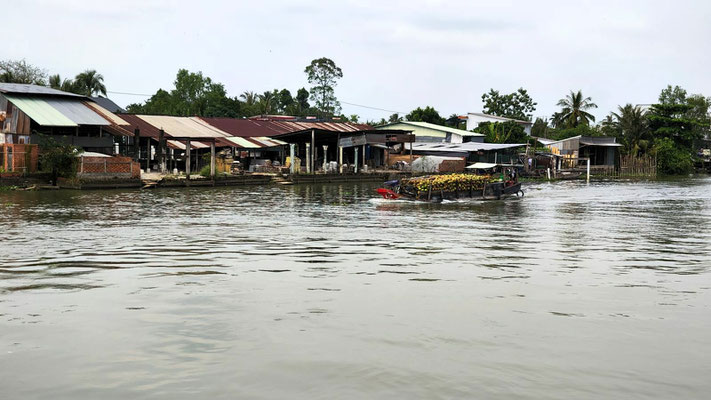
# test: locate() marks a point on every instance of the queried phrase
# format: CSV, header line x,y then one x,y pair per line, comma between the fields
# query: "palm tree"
x,y
250,98
66,85
90,82
574,110
632,128
265,102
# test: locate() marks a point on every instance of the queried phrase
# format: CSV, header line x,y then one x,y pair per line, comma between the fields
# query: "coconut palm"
x,y
249,98
266,101
632,128
90,83
574,110
66,85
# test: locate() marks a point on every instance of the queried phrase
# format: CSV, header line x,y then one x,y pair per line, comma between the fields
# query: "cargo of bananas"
x,y
447,183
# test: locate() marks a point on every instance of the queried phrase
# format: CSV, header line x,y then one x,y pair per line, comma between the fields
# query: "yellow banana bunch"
x,y
447,183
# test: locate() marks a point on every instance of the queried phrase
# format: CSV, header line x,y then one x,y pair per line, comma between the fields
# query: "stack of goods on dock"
x,y
451,183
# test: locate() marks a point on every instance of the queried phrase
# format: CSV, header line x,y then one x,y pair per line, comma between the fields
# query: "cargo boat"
x,y
427,188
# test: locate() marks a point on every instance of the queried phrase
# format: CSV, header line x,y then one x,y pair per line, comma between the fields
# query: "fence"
x,y
108,167
18,158
638,166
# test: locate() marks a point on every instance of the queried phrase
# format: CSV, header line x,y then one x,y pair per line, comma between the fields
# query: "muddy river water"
x,y
577,291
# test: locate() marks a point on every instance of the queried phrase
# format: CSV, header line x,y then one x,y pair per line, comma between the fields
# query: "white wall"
x,y
473,121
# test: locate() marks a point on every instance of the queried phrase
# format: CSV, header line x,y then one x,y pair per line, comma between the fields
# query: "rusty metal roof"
x,y
263,127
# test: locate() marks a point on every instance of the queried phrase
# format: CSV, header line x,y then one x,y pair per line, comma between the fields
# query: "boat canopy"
x,y
482,165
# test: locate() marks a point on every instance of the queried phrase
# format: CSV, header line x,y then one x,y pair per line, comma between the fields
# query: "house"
x,y
29,112
603,151
474,119
433,133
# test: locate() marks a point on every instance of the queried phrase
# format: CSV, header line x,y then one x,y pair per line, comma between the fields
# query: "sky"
x,y
395,55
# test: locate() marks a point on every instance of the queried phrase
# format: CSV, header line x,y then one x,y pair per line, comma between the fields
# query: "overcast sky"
x,y
395,55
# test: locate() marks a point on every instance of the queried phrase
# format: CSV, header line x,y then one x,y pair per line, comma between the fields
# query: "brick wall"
x,y
107,167
24,157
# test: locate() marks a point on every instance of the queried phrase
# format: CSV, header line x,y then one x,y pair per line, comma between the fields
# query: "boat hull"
x,y
491,191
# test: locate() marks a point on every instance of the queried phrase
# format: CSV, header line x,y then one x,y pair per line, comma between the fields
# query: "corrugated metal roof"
x,y
108,104
134,122
242,143
436,127
183,126
21,88
258,127
106,114
77,111
254,142
40,111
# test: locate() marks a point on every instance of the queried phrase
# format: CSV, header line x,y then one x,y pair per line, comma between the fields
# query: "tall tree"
x,y
19,71
323,74
672,95
516,105
266,102
574,110
427,114
540,128
90,83
394,118
631,127
249,98
302,102
65,85
285,101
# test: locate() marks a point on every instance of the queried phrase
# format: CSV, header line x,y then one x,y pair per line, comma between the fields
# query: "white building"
x,y
474,119
427,132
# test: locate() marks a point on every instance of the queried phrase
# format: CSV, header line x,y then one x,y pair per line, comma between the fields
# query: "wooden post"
x,y
292,155
212,159
364,161
161,150
187,158
308,158
325,157
410,156
340,159
136,144
313,147
148,155
588,169
356,159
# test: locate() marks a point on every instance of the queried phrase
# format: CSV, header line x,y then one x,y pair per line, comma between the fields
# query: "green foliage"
x,y
672,160
19,71
631,127
59,159
580,130
502,132
574,111
517,105
89,83
428,114
394,118
323,74
194,95
672,95
205,171
541,128
301,103
673,121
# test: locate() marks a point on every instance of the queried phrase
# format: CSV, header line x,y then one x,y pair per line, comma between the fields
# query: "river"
x,y
576,291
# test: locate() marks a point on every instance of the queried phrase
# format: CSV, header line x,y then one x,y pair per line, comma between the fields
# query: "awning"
x,y
258,142
481,165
